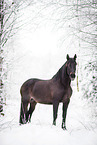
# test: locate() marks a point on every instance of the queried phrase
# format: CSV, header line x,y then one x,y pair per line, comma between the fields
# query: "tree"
x,y
1,51
9,14
86,33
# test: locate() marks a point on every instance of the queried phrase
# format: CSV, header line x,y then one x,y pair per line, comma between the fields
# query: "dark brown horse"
x,y
53,91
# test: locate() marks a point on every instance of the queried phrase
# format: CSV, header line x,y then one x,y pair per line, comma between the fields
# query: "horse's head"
x,y
71,66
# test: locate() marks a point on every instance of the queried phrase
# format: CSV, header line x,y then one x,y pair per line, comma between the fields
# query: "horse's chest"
x,y
67,94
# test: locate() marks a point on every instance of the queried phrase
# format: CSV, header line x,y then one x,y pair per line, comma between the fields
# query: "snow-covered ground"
x,y
39,54
47,135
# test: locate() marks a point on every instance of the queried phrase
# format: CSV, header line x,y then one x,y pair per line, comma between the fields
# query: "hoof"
x,y
54,123
64,128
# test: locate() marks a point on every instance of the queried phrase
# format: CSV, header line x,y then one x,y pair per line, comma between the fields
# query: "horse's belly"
x,y
41,93
42,98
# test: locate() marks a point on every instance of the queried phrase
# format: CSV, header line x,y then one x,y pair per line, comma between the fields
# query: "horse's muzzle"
x,y
72,76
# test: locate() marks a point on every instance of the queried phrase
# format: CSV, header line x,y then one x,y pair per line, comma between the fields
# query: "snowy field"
x,y
39,54
47,135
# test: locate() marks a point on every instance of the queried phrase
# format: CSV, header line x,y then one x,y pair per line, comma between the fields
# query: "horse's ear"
x,y
75,56
67,57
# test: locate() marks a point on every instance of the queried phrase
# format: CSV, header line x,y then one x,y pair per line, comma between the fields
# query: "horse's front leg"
x,y
55,111
65,106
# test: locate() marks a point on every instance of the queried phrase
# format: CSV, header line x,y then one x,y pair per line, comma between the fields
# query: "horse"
x,y
54,91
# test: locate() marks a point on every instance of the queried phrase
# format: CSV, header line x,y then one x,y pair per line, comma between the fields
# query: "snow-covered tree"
x,y
9,25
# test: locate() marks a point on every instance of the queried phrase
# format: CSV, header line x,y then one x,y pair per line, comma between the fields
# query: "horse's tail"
x,y
23,108
20,121
21,114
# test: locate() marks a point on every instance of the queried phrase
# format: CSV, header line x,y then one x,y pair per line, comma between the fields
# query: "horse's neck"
x,y
65,80
62,76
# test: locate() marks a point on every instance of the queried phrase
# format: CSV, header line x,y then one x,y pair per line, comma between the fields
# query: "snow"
x,y
47,135
38,54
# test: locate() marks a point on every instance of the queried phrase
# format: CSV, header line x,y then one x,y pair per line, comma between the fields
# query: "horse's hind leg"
x,y
31,109
23,113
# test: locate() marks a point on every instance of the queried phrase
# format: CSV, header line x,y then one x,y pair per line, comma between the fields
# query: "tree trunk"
x,y
1,53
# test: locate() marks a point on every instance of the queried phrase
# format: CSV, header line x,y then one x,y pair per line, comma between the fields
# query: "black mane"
x,y
62,75
58,74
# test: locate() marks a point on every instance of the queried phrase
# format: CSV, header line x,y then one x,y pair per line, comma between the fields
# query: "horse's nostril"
x,y
72,75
